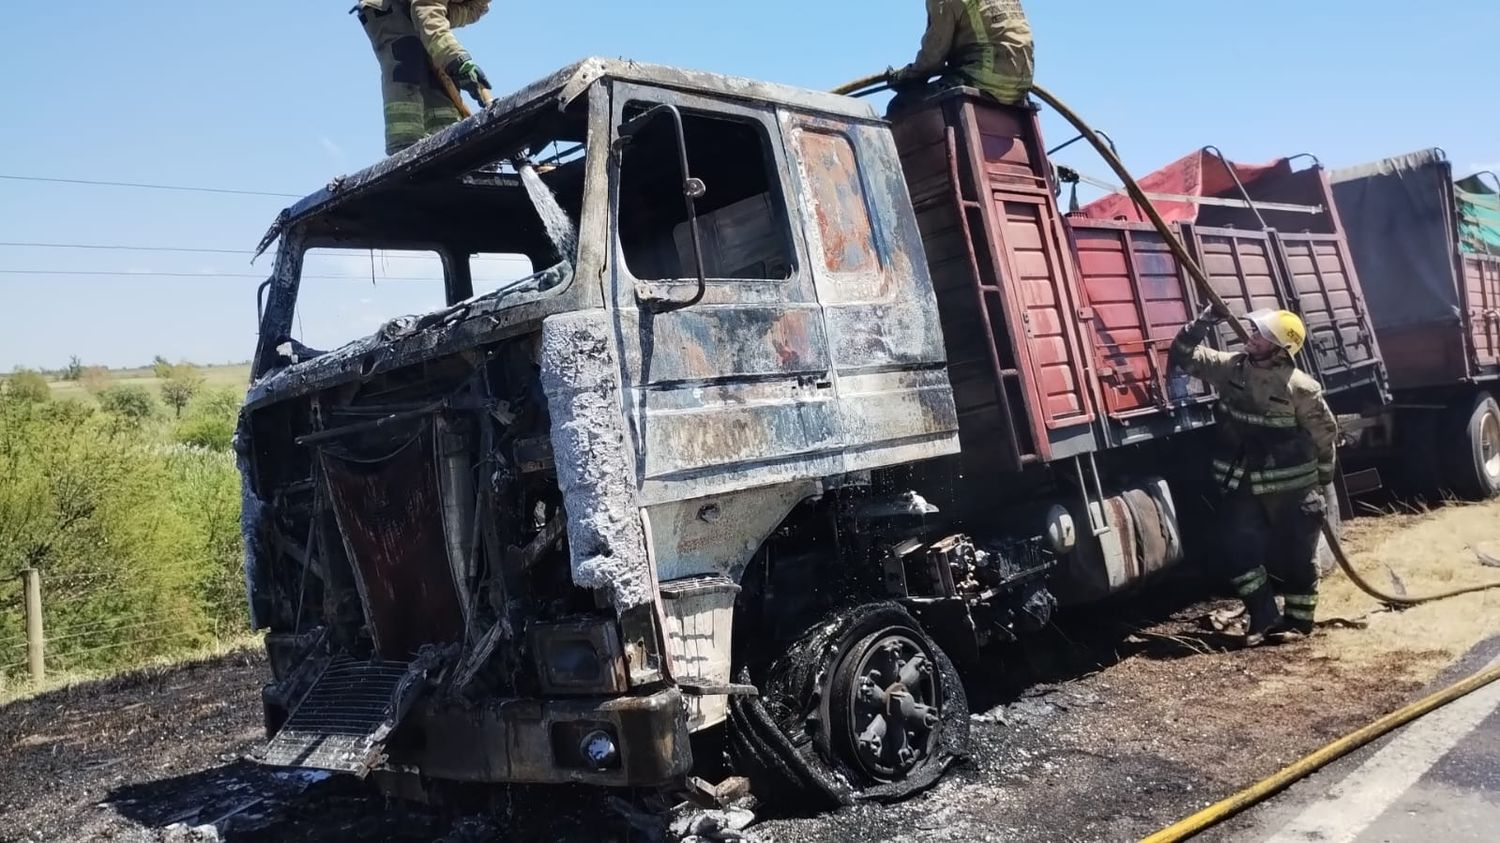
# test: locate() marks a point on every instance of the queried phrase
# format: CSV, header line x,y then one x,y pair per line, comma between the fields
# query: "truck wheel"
x,y
884,712
865,697
1472,448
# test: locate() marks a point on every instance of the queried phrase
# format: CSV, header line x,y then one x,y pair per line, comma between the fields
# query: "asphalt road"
x,y
1436,779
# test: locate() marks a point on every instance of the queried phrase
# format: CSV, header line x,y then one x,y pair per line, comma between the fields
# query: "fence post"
x,y
35,652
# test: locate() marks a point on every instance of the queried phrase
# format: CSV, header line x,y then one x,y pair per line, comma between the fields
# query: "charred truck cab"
x,y
547,531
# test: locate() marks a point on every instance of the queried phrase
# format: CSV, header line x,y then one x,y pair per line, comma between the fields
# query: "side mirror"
x,y
692,190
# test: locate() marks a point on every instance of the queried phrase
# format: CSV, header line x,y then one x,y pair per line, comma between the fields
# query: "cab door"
x,y
726,375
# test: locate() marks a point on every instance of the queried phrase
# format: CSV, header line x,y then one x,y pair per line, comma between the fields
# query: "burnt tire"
x,y
1470,444
800,740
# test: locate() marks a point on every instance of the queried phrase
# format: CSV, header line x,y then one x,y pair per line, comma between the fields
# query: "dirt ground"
x,y
1107,728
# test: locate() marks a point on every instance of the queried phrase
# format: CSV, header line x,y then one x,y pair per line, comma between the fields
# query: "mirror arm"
x,y
692,190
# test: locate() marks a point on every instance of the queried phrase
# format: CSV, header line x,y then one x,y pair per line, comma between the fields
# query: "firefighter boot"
x,y
1260,605
1297,622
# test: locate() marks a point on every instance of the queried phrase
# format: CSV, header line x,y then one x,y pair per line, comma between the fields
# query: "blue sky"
x,y
281,95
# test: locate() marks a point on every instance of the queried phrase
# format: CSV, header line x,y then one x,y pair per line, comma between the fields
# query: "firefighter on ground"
x,y
985,44
1274,456
413,40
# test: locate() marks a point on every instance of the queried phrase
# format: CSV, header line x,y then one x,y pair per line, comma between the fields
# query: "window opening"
x,y
347,294
742,217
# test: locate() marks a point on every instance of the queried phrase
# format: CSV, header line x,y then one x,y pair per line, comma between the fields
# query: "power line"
x,y
203,251
140,248
260,277
142,186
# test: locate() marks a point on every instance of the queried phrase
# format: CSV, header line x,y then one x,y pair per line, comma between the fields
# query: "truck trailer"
x,y
801,412
1428,252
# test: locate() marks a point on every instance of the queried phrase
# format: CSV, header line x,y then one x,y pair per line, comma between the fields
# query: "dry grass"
x,y
1430,552
237,376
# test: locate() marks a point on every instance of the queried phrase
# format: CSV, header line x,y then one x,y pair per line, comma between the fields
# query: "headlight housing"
x,y
579,657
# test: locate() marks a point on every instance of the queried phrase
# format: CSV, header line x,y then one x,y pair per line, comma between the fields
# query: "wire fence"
x,y
73,646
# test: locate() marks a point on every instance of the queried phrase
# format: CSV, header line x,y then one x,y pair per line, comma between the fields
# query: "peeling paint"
x,y
580,375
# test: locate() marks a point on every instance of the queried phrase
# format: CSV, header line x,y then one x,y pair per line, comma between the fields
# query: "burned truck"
x,y
799,411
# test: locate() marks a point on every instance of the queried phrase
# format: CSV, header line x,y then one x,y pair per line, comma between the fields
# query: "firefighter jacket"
x,y
1275,431
989,41
435,21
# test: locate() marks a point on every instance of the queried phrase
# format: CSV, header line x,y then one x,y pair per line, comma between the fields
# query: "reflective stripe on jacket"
x,y
1275,430
988,41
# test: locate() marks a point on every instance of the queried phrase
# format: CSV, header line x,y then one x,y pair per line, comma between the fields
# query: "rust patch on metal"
x,y
839,202
391,520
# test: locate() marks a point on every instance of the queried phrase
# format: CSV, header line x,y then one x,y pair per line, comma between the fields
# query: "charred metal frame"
x,y
860,348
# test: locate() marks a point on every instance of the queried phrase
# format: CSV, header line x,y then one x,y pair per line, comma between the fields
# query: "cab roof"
x,y
470,143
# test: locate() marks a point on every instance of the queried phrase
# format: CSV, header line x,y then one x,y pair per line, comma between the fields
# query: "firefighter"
x,y
981,43
1274,456
412,40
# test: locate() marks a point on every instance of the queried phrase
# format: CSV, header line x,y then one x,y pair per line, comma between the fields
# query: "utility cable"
x,y
150,275
143,186
102,247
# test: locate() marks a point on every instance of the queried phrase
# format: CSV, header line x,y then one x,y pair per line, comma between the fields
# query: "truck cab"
x,y
552,528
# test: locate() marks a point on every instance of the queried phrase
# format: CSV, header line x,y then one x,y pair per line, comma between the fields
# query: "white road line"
x,y
1357,801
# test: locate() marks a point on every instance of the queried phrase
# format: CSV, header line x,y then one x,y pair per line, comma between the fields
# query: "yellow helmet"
x,y
1282,327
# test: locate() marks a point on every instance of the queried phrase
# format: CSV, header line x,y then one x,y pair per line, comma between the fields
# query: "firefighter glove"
x,y
901,77
1210,315
467,76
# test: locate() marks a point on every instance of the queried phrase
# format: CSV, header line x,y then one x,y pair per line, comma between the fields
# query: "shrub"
x,y
212,432
27,385
131,404
95,379
138,543
181,384
210,420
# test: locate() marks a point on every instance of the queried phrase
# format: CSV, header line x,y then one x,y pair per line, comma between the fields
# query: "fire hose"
x,y
872,84
1264,788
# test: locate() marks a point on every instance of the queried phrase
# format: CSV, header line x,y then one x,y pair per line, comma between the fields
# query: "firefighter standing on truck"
x,y
413,41
985,44
1274,456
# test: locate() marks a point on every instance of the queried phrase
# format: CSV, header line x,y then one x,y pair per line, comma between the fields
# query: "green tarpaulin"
x,y
1478,216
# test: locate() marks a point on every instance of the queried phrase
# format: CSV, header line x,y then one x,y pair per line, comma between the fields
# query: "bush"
x,y
211,432
27,385
138,543
95,379
132,404
211,420
181,384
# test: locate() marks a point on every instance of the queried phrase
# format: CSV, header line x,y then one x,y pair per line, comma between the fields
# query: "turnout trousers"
x,y
416,104
1271,546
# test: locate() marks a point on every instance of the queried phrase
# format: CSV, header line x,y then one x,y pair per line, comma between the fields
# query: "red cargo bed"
x,y
1006,279
1269,236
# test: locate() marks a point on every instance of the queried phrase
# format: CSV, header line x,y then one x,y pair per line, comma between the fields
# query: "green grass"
x,y
235,375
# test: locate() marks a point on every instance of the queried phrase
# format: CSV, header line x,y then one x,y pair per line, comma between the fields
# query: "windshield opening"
x,y
496,224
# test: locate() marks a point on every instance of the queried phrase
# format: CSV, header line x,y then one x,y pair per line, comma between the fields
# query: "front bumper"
x,y
535,741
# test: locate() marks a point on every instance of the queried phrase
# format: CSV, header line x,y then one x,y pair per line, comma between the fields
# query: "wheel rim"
x,y
1489,447
894,708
